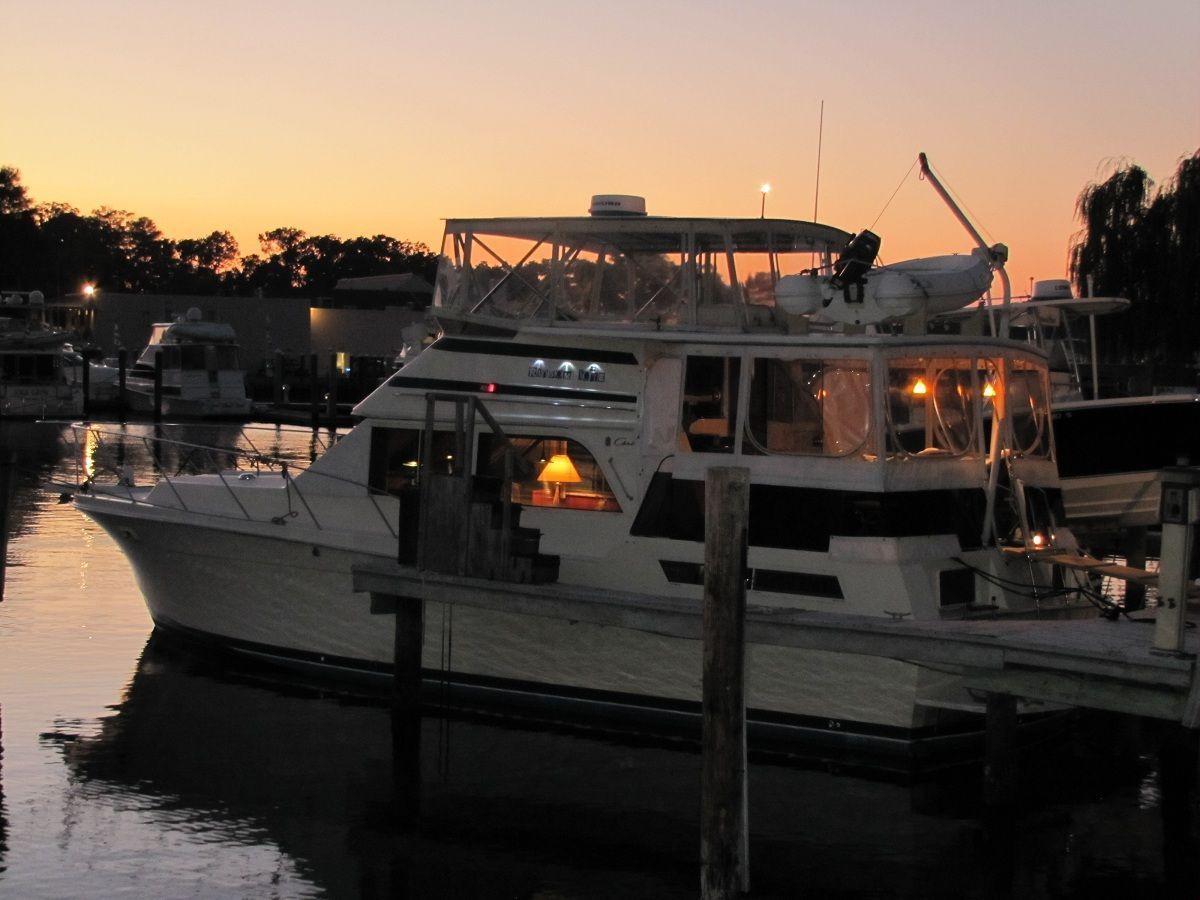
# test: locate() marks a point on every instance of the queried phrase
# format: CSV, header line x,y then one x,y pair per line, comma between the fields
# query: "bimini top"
x,y
648,271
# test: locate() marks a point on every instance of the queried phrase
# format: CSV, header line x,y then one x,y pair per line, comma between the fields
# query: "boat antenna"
x,y
820,137
997,254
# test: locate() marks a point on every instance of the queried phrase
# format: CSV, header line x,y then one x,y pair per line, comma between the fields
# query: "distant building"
x,y
363,321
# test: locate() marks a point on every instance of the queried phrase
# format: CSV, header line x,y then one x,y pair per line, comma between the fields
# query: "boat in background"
x,y
202,375
1110,449
39,371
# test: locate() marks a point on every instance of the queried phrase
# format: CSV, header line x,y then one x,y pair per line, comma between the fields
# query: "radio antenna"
x,y
820,136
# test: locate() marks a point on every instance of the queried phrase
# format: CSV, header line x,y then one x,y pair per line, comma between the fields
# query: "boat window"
x,y
549,471
227,357
809,406
1028,408
710,389
191,358
933,406
170,357
396,457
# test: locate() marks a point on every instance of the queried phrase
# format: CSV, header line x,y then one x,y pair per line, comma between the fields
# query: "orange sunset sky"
x,y
363,117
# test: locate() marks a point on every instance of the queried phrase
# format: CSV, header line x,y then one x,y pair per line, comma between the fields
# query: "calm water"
x,y
132,768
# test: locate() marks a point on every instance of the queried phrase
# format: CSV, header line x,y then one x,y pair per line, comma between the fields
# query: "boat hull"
x,y
189,407
290,603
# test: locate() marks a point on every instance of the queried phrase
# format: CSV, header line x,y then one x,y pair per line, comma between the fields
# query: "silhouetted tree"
x,y
1144,245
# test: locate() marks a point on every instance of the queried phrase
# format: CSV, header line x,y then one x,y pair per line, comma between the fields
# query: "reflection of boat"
x,y
1110,448
202,370
38,369
619,369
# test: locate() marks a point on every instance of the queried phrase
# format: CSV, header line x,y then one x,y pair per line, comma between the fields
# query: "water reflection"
x,y
3,816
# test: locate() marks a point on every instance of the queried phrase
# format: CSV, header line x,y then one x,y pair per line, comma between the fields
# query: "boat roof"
x,y
660,234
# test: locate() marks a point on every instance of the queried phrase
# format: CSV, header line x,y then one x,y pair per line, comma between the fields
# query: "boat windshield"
x,y
809,406
660,271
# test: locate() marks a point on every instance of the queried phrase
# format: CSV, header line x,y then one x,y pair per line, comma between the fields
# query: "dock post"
x,y
8,461
1180,511
314,396
1000,739
406,701
122,365
724,823
1133,548
277,373
158,385
331,397
86,378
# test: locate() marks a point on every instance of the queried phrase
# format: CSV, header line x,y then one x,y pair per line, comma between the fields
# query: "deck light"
x,y
919,389
489,388
1038,540
989,391
89,290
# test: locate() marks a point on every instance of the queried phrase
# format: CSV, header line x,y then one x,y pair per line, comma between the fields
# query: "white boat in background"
x,y
202,375
619,358
39,371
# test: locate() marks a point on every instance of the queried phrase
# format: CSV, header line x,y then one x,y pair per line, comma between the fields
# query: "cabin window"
x,y
170,357
227,357
710,390
549,471
191,358
1029,408
809,406
396,457
933,406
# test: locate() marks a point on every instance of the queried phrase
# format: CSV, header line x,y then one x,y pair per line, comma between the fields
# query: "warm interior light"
x,y
919,389
1038,540
410,464
560,470
89,290
988,390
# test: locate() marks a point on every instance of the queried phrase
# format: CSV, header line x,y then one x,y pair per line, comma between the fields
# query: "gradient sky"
x,y
362,117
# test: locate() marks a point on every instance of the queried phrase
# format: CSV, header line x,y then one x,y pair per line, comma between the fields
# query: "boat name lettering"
x,y
565,371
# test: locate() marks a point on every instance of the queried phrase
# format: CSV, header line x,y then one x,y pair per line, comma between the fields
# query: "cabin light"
x,y
919,389
989,391
410,464
1037,539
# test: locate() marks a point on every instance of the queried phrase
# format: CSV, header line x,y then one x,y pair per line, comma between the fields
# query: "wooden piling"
x,y
158,385
86,377
999,768
314,394
331,395
277,378
406,701
122,366
1133,548
724,823
8,462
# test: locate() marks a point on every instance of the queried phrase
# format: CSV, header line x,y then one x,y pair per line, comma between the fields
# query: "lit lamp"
x,y
559,471
766,189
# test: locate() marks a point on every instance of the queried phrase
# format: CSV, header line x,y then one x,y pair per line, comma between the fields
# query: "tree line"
x,y
54,248
1144,244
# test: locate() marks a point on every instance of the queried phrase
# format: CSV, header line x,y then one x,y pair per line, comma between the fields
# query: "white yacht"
x,y
1110,448
202,370
38,369
623,355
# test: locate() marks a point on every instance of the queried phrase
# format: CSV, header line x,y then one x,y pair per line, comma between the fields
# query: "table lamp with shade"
x,y
559,470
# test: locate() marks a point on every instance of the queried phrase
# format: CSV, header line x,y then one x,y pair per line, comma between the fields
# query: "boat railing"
x,y
196,458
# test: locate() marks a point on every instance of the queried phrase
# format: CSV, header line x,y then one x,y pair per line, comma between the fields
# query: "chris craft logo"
x,y
565,371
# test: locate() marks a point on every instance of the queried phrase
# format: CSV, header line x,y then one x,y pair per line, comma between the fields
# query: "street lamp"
x,y
766,189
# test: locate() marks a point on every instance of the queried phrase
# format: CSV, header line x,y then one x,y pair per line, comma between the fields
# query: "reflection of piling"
x,y
158,385
8,462
1000,739
122,364
724,824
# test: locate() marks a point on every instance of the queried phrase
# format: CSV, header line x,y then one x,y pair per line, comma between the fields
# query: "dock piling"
x,y
158,385
406,700
122,365
724,823
1180,511
86,378
314,394
331,395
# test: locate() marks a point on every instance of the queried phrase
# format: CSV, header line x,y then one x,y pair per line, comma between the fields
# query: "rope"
x,y
871,227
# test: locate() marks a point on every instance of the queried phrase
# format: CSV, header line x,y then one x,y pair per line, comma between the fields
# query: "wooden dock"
x,y
1094,663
